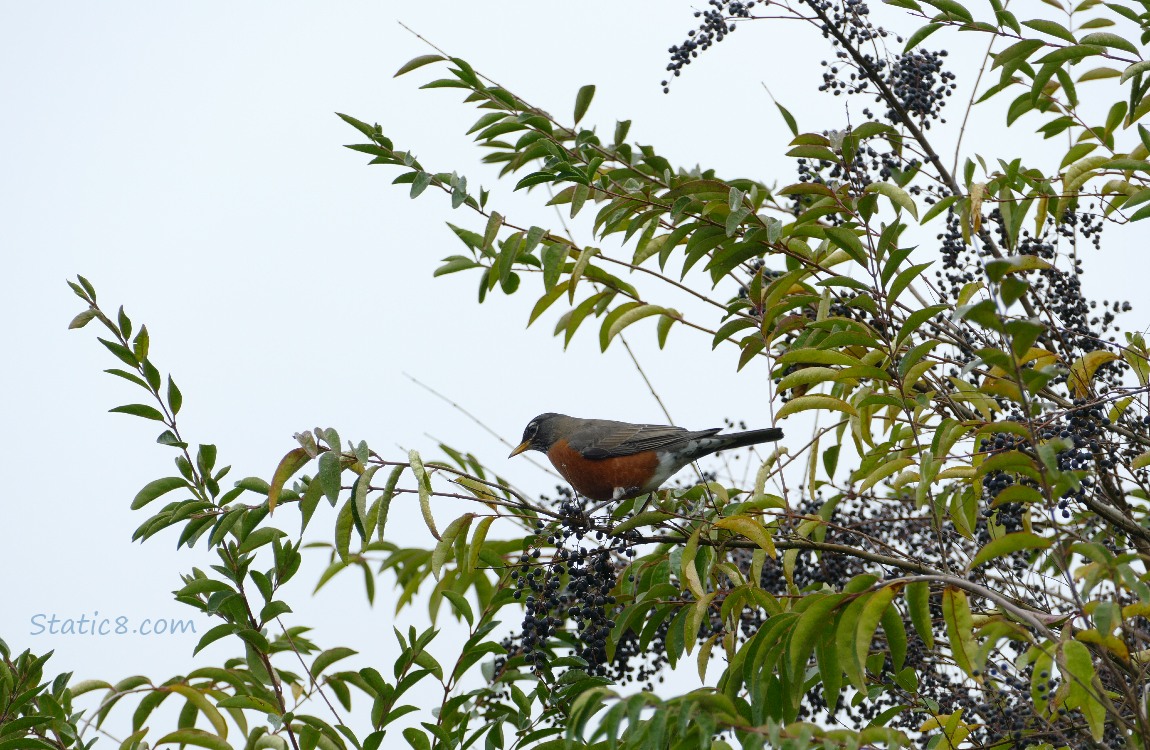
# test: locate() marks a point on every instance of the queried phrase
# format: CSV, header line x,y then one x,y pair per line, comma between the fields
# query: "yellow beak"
x,y
520,448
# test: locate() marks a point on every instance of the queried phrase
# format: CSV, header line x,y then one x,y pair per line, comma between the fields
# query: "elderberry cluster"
x,y
717,22
915,80
567,596
920,85
1086,428
868,165
1006,514
1077,325
850,19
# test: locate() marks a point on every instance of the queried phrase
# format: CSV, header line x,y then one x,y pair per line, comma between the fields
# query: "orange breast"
x,y
598,478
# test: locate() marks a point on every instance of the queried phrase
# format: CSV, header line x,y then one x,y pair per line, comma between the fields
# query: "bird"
x,y
605,460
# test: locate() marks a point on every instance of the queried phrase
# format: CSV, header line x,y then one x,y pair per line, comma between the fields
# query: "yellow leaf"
x,y
977,191
480,490
1113,643
1083,369
954,472
689,572
884,471
705,656
804,403
288,466
751,529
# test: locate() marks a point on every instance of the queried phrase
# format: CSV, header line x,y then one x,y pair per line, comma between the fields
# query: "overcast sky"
x,y
186,159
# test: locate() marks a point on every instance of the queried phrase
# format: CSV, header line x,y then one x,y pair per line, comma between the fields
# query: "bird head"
x,y
540,433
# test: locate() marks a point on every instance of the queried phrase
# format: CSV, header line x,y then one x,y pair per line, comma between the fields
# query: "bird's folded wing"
x,y
608,439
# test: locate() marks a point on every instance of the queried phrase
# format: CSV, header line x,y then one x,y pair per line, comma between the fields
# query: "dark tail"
x,y
751,437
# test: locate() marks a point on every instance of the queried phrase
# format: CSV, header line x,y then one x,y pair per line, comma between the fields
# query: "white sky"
x,y
186,159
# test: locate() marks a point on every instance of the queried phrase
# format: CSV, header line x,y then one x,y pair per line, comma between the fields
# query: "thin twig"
x,y
474,419
642,374
314,682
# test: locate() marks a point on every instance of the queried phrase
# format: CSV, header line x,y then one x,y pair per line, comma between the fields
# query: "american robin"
x,y
606,460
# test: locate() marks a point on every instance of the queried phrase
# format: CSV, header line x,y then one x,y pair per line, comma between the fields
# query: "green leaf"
x,y
581,263
141,344
846,639
1097,74
416,738
818,357
919,35
1005,545
124,323
1109,39
344,523
1077,52
82,319
371,131
939,207
420,183
953,8
999,267
583,101
614,327
959,627
329,657
788,118
1052,28
903,280
1018,51
204,706
1078,667
139,410
646,518
1133,70
815,401
552,257
663,327
897,196
829,668
809,628
197,737
329,475
687,570
872,612
155,489
845,238
475,548
417,62
424,482
731,327
454,264
130,742
213,635
260,537
895,631
447,542
248,702
175,398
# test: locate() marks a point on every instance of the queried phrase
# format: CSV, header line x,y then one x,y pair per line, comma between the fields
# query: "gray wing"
x,y
603,438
